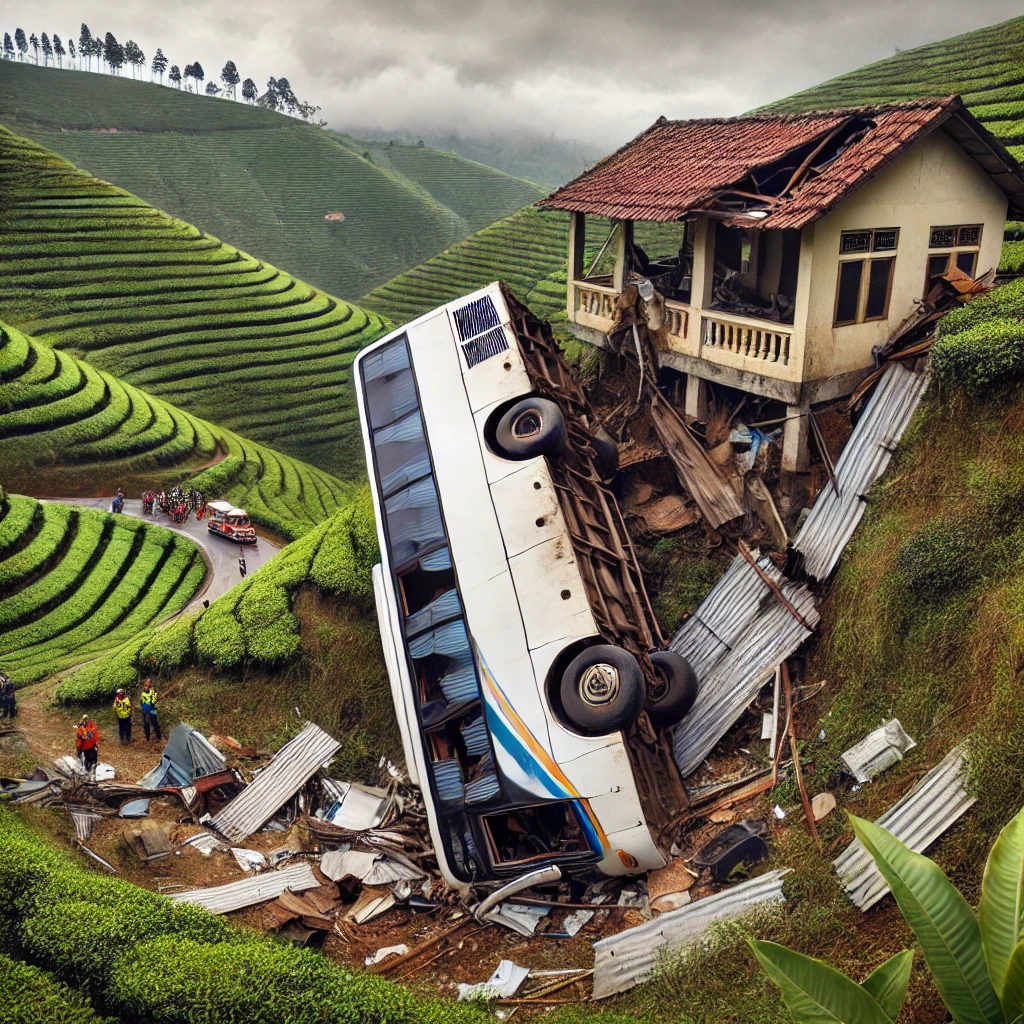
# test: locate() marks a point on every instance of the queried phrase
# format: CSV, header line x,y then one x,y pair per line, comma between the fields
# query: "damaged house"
x,y
805,241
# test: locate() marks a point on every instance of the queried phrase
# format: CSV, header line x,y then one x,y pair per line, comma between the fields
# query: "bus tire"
x,y
531,428
672,700
602,690
607,461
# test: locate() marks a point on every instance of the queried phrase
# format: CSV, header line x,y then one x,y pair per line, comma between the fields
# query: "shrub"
x,y
983,359
30,996
942,558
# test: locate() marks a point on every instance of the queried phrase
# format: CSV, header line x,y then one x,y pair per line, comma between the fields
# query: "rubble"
x,y
879,750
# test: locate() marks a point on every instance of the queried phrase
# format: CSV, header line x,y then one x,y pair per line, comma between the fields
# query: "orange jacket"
x,y
88,736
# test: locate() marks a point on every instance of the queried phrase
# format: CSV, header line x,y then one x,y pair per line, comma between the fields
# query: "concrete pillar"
x,y
703,263
795,454
696,407
577,246
623,243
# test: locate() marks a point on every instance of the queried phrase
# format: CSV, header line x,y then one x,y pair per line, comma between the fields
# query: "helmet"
x,y
84,720
120,692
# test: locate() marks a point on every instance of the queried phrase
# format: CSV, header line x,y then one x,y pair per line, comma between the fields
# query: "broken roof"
x,y
676,168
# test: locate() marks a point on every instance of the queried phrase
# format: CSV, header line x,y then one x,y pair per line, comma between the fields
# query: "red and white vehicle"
x,y
230,522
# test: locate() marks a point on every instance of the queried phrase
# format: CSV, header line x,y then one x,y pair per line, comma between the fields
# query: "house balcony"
x,y
745,344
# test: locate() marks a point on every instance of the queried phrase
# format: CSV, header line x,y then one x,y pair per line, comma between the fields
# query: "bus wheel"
x,y
676,690
607,461
602,690
530,428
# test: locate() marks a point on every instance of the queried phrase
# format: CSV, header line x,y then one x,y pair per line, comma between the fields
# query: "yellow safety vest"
x,y
123,707
148,700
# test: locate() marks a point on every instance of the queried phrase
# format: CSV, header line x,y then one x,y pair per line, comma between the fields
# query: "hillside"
x,y
92,270
67,428
77,583
262,179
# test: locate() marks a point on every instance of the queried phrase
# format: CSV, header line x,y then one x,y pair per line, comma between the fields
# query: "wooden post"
x,y
702,284
577,248
623,243
696,409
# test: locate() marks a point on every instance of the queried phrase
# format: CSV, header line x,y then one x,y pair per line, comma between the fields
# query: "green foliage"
x,y
30,996
942,558
77,583
984,358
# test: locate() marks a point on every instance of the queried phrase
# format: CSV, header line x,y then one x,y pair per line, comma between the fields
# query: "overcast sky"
x,y
593,70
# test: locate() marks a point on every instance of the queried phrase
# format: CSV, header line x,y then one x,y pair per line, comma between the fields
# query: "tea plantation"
x,y
76,583
260,178
94,270
63,422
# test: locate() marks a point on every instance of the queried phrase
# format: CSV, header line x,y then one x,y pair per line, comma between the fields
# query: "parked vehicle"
x,y
519,640
230,522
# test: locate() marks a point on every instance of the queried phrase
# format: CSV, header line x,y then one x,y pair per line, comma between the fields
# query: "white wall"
x,y
934,183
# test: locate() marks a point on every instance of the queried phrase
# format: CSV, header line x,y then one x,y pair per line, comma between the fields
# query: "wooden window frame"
x,y
951,251
872,245
865,284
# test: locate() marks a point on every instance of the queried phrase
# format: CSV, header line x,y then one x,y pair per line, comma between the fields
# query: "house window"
x,y
961,242
865,284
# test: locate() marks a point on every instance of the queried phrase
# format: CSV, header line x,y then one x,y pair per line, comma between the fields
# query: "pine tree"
x,y
211,89
159,65
71,51
110,48
58,49
85,42
134,55
198,74
47,50
187,74
21,42
8,46
174,75
34,43
230,77
249,90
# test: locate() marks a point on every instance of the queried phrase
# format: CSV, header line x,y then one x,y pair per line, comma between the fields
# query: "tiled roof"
x,y
678,167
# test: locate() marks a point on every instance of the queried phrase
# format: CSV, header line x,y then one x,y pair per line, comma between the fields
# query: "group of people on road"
x,y
177,504
8,703
87,735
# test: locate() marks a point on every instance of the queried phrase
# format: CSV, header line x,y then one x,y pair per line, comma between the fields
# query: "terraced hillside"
x,y
91,269
259,178
76,583
63,423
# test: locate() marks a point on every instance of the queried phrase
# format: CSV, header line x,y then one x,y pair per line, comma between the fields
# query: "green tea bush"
x,y
30,996
942,558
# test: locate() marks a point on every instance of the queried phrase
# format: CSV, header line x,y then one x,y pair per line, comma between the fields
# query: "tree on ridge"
x,y
47,50
211,88
21,42
71,51
230,77
174,75
198,74
58,49
159,65
249,90
134,55
85,42
34,41
8,47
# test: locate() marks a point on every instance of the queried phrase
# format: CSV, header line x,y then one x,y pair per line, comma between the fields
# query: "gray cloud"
x,y
593,70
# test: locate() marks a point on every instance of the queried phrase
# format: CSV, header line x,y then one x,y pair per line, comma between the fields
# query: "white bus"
x,y
520,644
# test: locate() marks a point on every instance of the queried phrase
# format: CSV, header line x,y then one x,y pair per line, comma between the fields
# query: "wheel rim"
x,y
527,423
659,689
599,684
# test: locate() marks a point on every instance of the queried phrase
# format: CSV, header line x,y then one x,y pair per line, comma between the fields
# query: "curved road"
x,y
221,554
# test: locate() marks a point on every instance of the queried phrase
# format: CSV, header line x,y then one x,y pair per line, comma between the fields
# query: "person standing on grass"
x,y
87,740
8,704
241,566
148,701
123,710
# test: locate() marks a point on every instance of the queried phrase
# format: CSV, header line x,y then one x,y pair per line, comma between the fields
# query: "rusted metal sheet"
x,y
222,899
624,960
917,820
734,641
833,519
676,168
291,768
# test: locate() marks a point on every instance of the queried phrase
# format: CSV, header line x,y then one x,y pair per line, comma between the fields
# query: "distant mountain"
x,y
261,179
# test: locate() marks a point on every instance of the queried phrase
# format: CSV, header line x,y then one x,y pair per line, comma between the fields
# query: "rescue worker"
x,y
8,705
87,741
148,701
123,710
241,566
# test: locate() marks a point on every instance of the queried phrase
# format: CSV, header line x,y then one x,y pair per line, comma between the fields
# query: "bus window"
x,y
390,387
424,586
401,451
414,522
444,663
535,832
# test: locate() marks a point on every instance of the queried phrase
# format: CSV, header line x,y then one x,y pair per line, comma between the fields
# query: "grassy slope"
x,y
262,179
90,268
77,583
67,428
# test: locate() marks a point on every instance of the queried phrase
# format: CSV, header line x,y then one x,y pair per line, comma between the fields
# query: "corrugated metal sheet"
x,y
676,167
918,819
222,899
734,641
85,820
831,522
626,959
292,767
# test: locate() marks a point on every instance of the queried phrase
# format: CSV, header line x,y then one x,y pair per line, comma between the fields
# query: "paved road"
x,y
221,554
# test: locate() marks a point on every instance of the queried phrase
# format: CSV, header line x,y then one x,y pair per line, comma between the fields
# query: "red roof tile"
x,y
677,167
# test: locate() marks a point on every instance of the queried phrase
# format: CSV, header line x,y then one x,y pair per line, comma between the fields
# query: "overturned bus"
x,y
532,691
